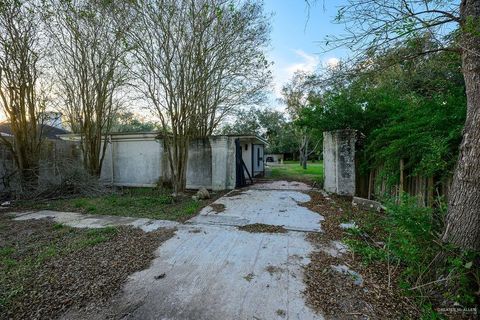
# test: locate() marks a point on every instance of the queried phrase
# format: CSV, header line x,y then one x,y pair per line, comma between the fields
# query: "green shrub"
x,y
410,234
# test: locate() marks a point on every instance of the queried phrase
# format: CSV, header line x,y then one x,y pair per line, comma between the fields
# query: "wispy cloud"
x,y
283,73
308,64
332,62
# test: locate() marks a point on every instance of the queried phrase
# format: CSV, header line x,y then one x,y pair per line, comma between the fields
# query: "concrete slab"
x,y
79,220
274,207
219,272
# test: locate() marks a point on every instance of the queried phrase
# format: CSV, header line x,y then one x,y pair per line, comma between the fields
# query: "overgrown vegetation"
x,y
341,295
151,203
406,238
411,110
61,178
71,180
425,31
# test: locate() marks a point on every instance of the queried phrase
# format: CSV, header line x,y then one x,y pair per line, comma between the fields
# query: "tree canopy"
x,y
269,124
412,110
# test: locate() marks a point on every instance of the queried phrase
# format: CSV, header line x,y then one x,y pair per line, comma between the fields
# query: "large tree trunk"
x,y
303,152
463,220
177,150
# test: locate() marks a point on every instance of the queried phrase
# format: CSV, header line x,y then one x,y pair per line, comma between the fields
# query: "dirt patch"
x,y
218,207
51,268
273,269
235,193
260,227
333,210
336,295
281,313
249,277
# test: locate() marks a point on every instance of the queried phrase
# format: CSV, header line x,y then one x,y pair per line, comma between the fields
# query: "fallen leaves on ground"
x,y
217,207
74,276
260,227
334,294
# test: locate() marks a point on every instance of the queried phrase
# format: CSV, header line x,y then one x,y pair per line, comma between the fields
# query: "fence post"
x,y
370,184
401,188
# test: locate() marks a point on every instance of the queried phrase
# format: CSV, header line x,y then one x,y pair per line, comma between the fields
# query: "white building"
x,y
217,163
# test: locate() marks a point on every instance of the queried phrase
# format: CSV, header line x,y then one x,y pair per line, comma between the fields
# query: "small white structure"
x,y
274,158
139,160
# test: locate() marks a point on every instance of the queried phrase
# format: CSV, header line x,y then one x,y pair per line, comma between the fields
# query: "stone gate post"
x,y
339,161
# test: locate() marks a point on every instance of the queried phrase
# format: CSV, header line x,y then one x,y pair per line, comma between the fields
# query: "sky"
x,y
295,39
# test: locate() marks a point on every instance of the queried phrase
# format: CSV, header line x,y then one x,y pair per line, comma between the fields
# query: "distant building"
x,y
274,158
48,131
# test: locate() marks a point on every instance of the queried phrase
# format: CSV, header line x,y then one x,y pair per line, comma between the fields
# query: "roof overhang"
x,y
117,136
252,137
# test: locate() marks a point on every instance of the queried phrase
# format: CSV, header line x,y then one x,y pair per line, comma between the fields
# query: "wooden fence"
x,y
373,185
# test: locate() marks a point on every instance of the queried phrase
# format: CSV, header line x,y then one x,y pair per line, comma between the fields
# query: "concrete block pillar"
x,y
339,161
223,163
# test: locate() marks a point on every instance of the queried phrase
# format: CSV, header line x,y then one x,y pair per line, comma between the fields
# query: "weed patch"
x,y
132,202
406,238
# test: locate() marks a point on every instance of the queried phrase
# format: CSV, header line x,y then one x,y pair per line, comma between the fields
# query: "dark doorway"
x,y
240,166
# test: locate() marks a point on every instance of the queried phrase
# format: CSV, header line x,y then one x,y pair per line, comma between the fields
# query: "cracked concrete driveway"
x,y
260,204
212,270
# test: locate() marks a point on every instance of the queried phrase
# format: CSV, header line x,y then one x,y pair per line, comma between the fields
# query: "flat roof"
x,y
150,135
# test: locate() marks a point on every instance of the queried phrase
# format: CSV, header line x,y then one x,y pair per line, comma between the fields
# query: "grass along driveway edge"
x,y
152,203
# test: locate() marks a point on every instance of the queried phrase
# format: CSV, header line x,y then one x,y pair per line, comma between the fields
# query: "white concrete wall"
x,y
223,162
339,161
137,162
199,165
